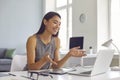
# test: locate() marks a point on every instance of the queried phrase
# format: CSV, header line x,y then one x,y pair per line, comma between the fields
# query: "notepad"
x,y
54,71
61,70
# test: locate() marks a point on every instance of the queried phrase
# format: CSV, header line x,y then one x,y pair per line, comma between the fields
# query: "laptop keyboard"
x,y
87,72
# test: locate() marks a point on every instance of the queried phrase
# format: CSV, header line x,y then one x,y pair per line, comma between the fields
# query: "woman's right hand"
x,y
76,52
48,59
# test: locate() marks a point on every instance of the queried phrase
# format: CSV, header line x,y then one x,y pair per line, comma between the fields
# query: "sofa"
x,y
6,56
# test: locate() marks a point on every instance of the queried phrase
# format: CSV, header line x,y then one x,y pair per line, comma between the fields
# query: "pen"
x,y
11,74
28,77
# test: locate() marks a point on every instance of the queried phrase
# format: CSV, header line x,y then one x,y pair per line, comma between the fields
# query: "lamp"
x,y
107,44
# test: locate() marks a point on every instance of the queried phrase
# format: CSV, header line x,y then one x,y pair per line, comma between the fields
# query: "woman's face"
x,y
52,26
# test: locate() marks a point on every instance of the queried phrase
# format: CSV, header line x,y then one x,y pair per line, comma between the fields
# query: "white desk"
x,y
110,75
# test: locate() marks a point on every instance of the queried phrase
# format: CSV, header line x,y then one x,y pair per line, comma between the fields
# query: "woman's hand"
x,y
48,59
76,52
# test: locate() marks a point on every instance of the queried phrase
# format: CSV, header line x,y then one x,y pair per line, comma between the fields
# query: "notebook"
x,y
61,70
102,63
53,71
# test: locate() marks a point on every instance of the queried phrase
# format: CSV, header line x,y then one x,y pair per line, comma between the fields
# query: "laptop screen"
x,y
76,41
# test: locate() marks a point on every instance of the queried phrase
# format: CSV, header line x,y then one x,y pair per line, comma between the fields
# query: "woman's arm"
x,y
30,47
73,52
61,62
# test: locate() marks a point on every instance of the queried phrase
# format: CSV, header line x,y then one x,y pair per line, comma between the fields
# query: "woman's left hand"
x,y
47,58
76,52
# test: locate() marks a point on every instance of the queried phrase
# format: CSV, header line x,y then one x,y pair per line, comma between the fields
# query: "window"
x,y
115,22
64,8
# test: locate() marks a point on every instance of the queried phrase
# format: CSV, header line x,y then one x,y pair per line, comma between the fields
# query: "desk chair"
x,y
18,63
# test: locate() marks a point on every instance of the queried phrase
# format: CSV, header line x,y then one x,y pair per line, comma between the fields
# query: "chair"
x,y
18,63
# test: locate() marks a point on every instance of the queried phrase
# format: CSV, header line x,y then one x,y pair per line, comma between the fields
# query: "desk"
x,y
110,75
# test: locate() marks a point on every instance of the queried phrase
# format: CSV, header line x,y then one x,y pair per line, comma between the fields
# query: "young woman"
x,y
43,47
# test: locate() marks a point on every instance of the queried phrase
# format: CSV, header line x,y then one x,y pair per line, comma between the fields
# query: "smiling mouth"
x,y
55,30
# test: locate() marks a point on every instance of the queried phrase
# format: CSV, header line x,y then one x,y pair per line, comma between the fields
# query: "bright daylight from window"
x,y
115,22
64,8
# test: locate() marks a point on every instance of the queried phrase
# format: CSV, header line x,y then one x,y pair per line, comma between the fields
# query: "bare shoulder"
x,y
57,42
31,39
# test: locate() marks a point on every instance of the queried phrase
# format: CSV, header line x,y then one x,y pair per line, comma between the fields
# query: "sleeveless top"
x,y
42,48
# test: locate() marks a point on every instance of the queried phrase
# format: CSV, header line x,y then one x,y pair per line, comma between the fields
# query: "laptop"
x,y
101,65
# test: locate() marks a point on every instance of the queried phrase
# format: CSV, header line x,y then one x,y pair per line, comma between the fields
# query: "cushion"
x,y
5,61
2,52
9,53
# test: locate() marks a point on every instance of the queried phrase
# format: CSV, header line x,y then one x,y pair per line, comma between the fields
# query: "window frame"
x,y
67,7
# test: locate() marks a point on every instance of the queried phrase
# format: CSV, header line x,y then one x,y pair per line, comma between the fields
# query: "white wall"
x,y
96,12
18,20
87,29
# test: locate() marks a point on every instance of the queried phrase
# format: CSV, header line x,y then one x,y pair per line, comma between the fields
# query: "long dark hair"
x,y
48,16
